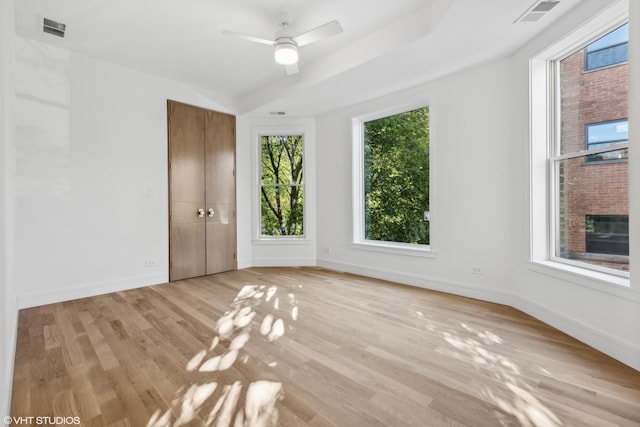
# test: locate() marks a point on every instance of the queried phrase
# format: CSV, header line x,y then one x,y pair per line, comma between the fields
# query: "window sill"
x,y
282,241
609,283
421,251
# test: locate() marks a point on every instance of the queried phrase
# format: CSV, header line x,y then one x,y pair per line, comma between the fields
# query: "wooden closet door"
x,y
187,247
221,192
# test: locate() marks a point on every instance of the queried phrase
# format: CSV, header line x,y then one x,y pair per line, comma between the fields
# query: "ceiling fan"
x,y
286,44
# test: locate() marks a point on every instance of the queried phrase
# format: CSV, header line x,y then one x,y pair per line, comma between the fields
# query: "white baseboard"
x,y
620,350
5,399
283,262
244,263
35,299
498,296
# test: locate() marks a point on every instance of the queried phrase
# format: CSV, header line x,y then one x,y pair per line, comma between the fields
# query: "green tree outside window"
x,y
396,177
281,185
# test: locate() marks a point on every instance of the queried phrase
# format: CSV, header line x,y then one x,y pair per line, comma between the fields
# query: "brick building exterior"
x,y
596,187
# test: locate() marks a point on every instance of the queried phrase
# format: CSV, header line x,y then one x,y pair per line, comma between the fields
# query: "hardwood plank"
x,y
324,348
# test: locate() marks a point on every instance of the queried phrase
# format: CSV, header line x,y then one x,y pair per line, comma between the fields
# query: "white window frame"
x,y
258,133
359,240
544,148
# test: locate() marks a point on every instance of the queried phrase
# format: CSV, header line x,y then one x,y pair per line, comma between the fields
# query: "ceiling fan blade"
x,y
291,69
248,38
323,31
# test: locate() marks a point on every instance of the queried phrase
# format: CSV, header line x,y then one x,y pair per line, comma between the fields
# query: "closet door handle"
x,y
211,213
200,213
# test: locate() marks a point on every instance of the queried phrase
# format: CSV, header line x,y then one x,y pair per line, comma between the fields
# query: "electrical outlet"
x,y
150,263
476,269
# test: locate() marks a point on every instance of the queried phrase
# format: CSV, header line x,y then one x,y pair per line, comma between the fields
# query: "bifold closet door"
x,y
187,230
221,191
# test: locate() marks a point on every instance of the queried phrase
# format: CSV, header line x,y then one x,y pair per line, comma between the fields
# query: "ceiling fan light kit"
x,y
286,52
286,45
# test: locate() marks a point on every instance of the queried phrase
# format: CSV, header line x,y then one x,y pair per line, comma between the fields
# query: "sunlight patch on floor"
x,y
221,405
508,389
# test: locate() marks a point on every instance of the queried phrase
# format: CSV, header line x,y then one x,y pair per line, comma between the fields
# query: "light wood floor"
x,y
309,347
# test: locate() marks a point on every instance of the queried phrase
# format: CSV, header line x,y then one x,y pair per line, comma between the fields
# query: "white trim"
x,y
283,262
544,152
357,157
12,340
621,350
498,296
244,263
357,181
582,35
35,299
602,282
634,137
284,240
605,274
256,133
395,248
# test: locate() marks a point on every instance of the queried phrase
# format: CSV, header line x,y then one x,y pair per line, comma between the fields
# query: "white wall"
x,y
469,194
8,306
92,179
91,174
480,202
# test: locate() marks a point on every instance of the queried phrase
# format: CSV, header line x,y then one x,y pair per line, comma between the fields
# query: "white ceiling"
x,y
386,44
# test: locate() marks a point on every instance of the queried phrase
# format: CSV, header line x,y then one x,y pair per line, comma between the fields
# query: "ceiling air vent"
x,y
537,11
277,113
52,27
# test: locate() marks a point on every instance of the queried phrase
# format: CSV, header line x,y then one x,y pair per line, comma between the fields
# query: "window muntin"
x,y
586,184
604,134
281,186
610,49
395,181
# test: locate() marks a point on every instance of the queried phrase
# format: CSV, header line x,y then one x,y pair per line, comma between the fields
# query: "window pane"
x,y
592,208
396,178
282,211
281,158
593,190
282,194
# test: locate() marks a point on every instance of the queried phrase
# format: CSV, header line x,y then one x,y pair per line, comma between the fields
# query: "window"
x,y
590,189
599,135
611,49
394,182
281,185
